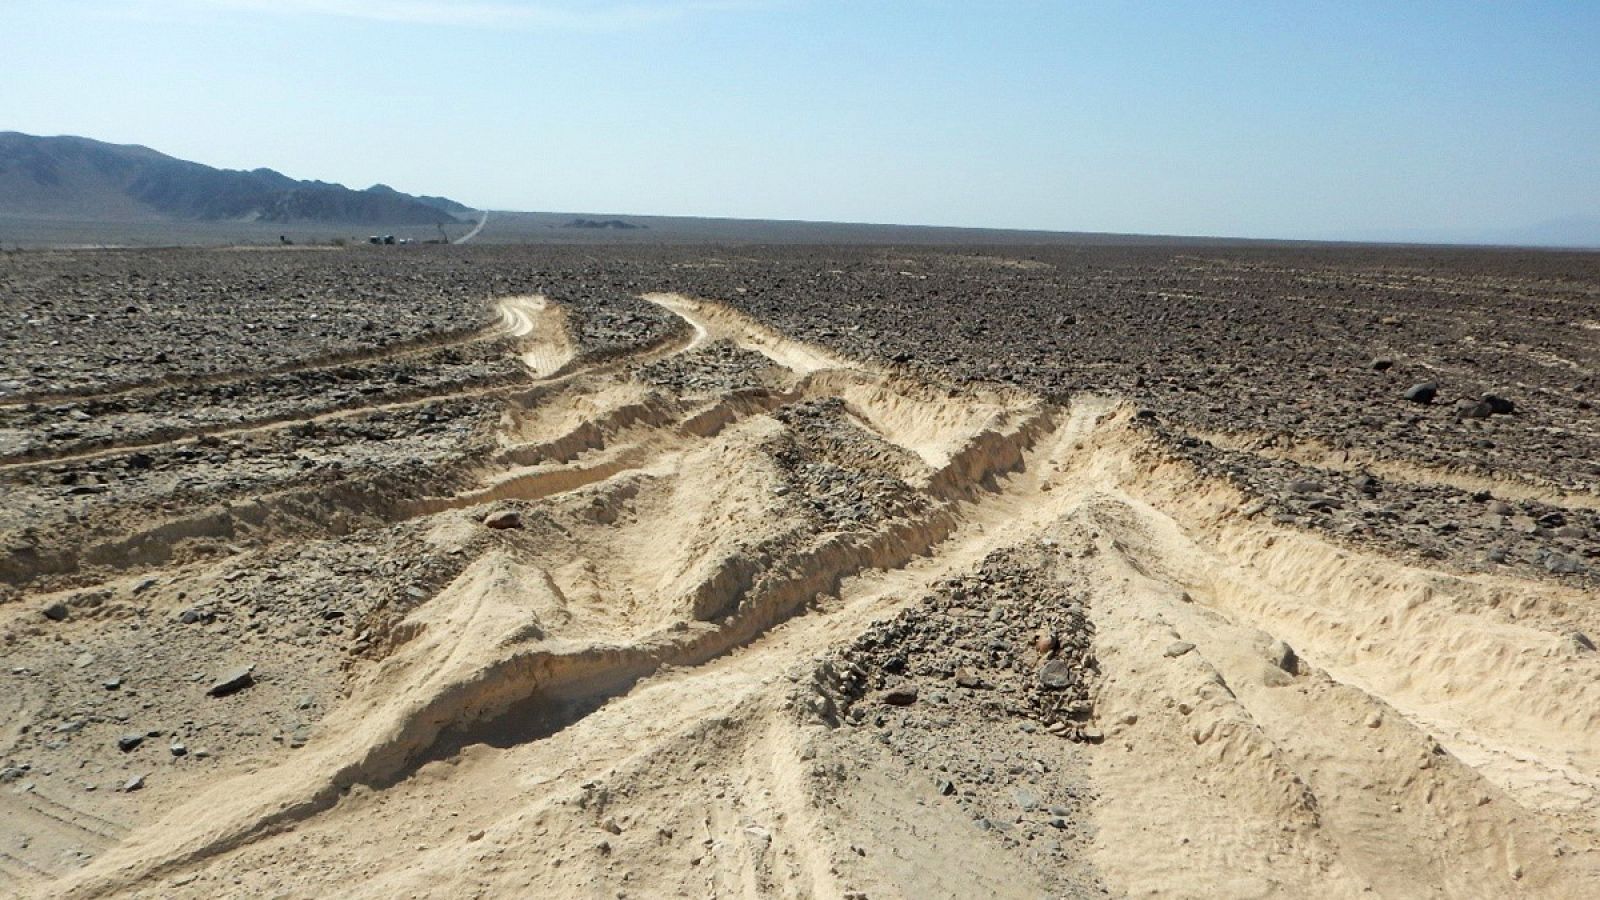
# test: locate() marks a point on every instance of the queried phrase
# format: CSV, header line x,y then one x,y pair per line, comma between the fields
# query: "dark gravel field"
x,y
1299,373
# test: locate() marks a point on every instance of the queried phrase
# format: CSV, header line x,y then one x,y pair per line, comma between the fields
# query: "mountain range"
x,y
79,178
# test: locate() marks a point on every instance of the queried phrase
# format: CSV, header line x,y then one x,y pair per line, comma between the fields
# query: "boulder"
x,y
233,681
503,519
1281,655
1422,393
1497,406
902,694
1055,675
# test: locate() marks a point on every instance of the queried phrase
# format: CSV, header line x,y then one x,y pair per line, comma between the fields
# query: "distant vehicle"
x,y
381,239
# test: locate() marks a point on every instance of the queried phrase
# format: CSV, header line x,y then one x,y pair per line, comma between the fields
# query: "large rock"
x,y
1498,406
1562,564
233,681
1577,642
1280,654
902,694
1422,393
1056,675
503,519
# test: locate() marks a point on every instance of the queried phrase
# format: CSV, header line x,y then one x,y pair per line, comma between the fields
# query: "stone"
x,y
1055,675
233,681
178,750
1306,486
1045,642
1424,392
56,612
133,784
129,742
1577,642
502,519
1177,649
1501,508
196,615
1280,654
1561,564
1497,406
902,694
967,678
1381,364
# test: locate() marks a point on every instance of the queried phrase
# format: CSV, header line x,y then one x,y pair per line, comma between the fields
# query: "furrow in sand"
x,y
535,326
398,349
525,691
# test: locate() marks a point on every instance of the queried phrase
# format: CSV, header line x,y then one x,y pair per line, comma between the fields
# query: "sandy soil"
x,y
725,613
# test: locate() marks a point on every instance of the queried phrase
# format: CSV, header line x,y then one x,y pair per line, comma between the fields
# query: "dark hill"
x,y
79,178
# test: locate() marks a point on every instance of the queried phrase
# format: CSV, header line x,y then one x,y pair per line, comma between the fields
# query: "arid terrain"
x,y
1174,570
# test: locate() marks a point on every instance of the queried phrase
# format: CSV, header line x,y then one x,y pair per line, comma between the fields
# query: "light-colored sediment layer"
x,y
611,700
541,328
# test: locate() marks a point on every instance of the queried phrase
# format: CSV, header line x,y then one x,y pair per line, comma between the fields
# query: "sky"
x,y
1295,119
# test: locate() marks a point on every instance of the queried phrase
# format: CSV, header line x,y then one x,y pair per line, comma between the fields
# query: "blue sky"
x,y
1283,119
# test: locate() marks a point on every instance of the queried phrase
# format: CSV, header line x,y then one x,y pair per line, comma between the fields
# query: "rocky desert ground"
x,y
839,572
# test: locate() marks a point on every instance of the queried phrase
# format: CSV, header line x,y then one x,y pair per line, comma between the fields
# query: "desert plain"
x,y
1157,569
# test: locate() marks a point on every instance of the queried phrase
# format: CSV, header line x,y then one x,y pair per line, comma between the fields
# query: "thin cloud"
x,y
574,16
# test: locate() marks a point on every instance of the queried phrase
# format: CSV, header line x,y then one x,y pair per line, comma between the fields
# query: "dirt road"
x,y
483,219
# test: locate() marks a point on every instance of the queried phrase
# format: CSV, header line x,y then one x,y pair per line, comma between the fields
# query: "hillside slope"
x,y
79,178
